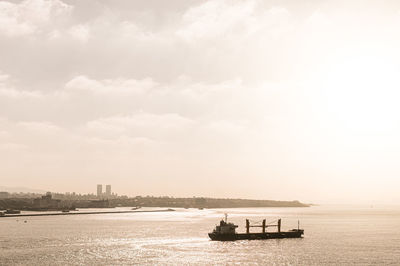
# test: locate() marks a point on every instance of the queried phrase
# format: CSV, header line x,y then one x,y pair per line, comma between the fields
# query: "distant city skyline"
x,y
106,193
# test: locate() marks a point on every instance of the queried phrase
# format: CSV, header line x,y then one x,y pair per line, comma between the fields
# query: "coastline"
x,y
81,213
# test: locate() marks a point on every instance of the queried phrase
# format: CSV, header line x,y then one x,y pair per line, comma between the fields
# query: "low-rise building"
x,y
46,202
4,194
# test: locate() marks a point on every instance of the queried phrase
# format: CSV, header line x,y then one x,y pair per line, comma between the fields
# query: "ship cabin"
x,y
225,228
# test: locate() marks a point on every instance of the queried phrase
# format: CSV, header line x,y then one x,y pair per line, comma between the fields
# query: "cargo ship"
x,y
227,231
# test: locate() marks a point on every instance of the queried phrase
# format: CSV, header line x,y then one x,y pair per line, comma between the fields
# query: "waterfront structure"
x,y
108,190
99,190
46,202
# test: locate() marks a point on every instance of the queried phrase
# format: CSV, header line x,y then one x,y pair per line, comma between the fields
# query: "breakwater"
x,y
80,213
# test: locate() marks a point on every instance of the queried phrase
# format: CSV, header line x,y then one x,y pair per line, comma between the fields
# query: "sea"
x,y
334,235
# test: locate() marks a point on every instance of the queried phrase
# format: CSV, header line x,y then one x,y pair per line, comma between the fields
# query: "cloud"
x,y
222,19
80,32
121,144
7,89
215,18
42,128
141,43
3,78
140,102
12,147
161,127
30,16
109,86
13,93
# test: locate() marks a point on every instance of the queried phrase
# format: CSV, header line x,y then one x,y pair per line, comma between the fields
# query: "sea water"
x,y
334,235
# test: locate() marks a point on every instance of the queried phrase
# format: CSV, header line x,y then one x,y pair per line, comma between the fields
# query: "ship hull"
x,y
256,236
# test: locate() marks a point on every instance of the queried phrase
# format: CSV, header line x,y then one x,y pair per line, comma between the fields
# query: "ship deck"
x,y
255,236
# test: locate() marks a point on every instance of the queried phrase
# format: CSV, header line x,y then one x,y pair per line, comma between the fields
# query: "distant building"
x,y
108,190
46,202
4,194
99,190
99,204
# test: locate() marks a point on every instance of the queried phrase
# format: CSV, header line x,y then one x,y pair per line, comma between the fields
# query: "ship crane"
x,y
264,225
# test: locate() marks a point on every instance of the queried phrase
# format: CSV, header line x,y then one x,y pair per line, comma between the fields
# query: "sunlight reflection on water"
x,y
333,235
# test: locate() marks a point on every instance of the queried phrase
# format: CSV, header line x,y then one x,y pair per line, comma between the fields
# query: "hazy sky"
x,y
254,99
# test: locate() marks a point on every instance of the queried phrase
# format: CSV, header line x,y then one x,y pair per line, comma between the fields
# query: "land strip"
x,y
79,213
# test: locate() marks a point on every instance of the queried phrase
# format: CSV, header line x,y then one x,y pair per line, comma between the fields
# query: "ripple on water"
x,y
344,237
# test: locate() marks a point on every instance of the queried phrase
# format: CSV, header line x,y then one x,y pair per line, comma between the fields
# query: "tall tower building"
x,y
99,190
108,190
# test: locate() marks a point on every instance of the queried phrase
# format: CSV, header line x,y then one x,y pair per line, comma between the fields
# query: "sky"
x,y
286,100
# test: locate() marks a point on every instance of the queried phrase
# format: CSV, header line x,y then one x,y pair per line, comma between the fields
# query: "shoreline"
x,y
79,213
